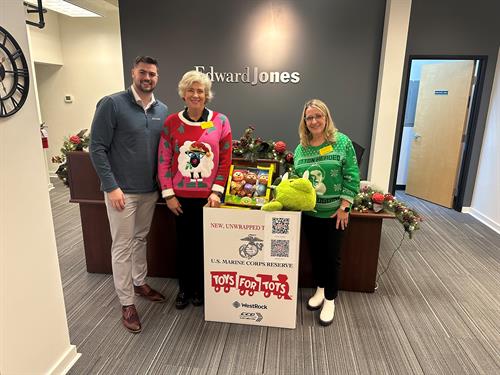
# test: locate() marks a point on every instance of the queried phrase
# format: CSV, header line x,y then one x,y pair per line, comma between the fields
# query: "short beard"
x,y
143,90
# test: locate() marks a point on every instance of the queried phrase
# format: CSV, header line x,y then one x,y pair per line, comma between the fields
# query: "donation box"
x,y
251,266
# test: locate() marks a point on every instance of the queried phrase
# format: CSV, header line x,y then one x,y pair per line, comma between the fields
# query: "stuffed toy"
x,y
261,187
237,182
250,181
248,189
251,178
295,194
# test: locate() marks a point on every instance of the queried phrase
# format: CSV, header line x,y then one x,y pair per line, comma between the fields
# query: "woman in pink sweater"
x,y
194,158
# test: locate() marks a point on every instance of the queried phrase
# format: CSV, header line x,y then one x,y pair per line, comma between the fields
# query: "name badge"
x,y
207,125
325,150
155,118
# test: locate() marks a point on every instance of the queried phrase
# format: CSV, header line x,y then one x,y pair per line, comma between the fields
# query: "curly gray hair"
x,y
194,76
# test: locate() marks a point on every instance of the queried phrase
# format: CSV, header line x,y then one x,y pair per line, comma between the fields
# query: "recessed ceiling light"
x,y
66,8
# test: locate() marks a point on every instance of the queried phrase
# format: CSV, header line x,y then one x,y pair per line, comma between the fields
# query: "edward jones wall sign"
x,y
248,75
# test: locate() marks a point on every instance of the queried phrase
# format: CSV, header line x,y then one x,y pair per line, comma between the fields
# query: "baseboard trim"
x,y
466,210
67,361
484,219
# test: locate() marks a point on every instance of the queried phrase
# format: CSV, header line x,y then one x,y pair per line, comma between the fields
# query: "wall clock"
x,y
14,75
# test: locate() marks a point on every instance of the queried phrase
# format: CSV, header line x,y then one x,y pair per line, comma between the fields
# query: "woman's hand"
x,y
213,200
342,218
174,206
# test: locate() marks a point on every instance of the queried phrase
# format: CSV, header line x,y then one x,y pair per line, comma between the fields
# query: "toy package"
x,y
249,186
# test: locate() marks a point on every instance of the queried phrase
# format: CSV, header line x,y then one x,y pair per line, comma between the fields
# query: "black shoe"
x,y
181,301
197,299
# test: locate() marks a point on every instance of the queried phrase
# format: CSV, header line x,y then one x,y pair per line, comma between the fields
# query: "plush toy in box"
x,y
249,186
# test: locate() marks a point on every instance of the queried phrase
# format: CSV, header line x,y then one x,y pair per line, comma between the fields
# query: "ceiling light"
x,y
66,8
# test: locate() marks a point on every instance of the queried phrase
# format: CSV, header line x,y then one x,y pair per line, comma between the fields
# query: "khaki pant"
x,y
129,229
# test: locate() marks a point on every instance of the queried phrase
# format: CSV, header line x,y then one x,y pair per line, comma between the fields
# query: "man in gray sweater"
x,y
123,148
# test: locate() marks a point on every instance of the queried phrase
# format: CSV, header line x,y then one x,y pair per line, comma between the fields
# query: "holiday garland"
x,y
373,199
250,148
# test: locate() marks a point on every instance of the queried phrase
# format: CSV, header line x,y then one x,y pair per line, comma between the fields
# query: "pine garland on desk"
x,y
373,199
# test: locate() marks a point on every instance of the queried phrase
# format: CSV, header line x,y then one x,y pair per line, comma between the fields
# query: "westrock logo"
x,y
252,76
237,305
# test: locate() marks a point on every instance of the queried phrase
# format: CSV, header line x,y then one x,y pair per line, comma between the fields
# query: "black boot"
x,y
182,300
197,299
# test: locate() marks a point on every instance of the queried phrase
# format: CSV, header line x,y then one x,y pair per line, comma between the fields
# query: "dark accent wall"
x,y
334,45
457,28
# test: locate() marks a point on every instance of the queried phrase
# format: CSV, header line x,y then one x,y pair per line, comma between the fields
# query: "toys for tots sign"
x,y
251,266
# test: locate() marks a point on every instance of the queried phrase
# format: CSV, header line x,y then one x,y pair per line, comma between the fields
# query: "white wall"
x,y
34,337
45,44
397,19
485,201
93,68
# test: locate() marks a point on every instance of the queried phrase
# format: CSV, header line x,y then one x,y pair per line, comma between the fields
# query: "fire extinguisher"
x,y
45,135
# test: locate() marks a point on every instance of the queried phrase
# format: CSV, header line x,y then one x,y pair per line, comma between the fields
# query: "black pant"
x,y
189,250
324,245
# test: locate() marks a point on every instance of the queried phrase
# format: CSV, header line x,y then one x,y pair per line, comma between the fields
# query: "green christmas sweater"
x,y
333,171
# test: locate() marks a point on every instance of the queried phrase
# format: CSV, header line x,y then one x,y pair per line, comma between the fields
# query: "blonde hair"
x,y
194,76
330,130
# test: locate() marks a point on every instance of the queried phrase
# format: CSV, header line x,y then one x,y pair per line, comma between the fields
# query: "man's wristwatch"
x,y
347,209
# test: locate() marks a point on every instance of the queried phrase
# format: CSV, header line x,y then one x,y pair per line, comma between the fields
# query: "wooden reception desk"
x,y
359,251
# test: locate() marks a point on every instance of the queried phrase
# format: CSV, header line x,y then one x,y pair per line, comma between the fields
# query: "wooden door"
x,y
440,120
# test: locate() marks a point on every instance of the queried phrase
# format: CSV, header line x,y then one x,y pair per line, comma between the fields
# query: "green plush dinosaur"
x,y
296,194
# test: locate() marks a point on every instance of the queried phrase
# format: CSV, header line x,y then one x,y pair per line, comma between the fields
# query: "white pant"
x,y
129,229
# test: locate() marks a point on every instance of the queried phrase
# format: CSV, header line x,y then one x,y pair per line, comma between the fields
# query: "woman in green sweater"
x,y
329,157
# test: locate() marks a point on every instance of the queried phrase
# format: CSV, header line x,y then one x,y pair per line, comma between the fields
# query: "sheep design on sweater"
x,y
196,160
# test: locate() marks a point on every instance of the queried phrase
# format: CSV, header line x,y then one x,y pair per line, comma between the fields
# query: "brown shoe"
x,y
130,319
149,293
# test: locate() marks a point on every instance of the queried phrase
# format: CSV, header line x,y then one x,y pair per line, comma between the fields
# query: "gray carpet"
x,y
436,311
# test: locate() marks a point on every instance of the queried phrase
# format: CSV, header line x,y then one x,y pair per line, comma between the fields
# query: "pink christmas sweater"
x,y
194,157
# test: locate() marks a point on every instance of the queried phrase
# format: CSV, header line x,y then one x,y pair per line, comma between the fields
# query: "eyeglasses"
x,y
315,117
150,74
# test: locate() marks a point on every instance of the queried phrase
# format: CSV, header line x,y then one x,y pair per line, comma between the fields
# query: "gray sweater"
x,y
124,143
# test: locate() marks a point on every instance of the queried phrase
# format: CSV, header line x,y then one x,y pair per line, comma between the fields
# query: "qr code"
x,y
281,225
280,248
